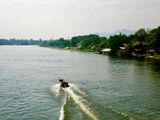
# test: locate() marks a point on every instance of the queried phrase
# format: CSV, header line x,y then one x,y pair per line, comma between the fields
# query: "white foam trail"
x,y
122,113
79,100
55,89
76,88
62,115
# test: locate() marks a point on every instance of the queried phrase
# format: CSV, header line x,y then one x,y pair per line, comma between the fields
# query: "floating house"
x,y
121,51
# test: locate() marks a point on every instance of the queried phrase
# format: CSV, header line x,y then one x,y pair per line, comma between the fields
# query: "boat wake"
x,y
61,117
78,99
56,89
121,113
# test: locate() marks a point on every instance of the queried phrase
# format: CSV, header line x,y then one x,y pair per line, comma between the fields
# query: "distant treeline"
x,y
142,40
19,42
138,43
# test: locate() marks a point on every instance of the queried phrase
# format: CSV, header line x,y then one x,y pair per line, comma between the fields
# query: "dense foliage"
x,y
146,40
61,43
19,42
117,41
142,39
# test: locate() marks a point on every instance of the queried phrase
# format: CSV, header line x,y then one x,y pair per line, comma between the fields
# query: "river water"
x,y
101,87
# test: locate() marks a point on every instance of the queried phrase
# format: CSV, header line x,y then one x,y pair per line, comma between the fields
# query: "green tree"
x,y
140,36
75,41
90,41
104,43
155,39
117,41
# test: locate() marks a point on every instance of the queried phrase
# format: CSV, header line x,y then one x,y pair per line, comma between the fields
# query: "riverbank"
x,y
157,57
141,44
154,58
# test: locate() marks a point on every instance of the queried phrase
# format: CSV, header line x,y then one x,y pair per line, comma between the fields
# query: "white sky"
x,y
66,18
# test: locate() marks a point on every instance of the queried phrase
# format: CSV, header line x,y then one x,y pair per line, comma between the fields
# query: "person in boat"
x,y
64,84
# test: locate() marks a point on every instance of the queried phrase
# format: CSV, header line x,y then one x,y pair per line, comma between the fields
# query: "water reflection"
x,y
156,65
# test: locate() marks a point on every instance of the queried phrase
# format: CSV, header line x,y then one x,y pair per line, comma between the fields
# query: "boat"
x,y
64,84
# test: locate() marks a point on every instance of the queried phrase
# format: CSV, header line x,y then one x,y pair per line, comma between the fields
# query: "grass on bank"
x,y
157,57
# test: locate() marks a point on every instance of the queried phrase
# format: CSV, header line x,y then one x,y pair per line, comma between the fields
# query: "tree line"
x,y
143,39
19,42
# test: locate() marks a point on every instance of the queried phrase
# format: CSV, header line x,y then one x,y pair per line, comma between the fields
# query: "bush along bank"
x,y
142,44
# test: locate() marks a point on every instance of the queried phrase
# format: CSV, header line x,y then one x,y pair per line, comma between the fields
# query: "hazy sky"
x,y
65,18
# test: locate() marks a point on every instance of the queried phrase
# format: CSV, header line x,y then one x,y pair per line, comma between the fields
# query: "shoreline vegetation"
x,y
142,44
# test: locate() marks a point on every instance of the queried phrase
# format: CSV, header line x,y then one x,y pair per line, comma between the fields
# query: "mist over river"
x,y
101,87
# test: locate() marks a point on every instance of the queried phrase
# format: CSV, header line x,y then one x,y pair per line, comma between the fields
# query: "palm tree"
x,y
140,35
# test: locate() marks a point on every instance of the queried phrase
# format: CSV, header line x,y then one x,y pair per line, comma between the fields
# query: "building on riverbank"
x,y
121,51
150,53
105,51
139,50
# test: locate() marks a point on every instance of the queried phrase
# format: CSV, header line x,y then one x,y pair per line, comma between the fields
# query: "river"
x,y
102,87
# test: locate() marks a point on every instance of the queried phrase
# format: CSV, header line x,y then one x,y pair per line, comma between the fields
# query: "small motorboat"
x,y
64,84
